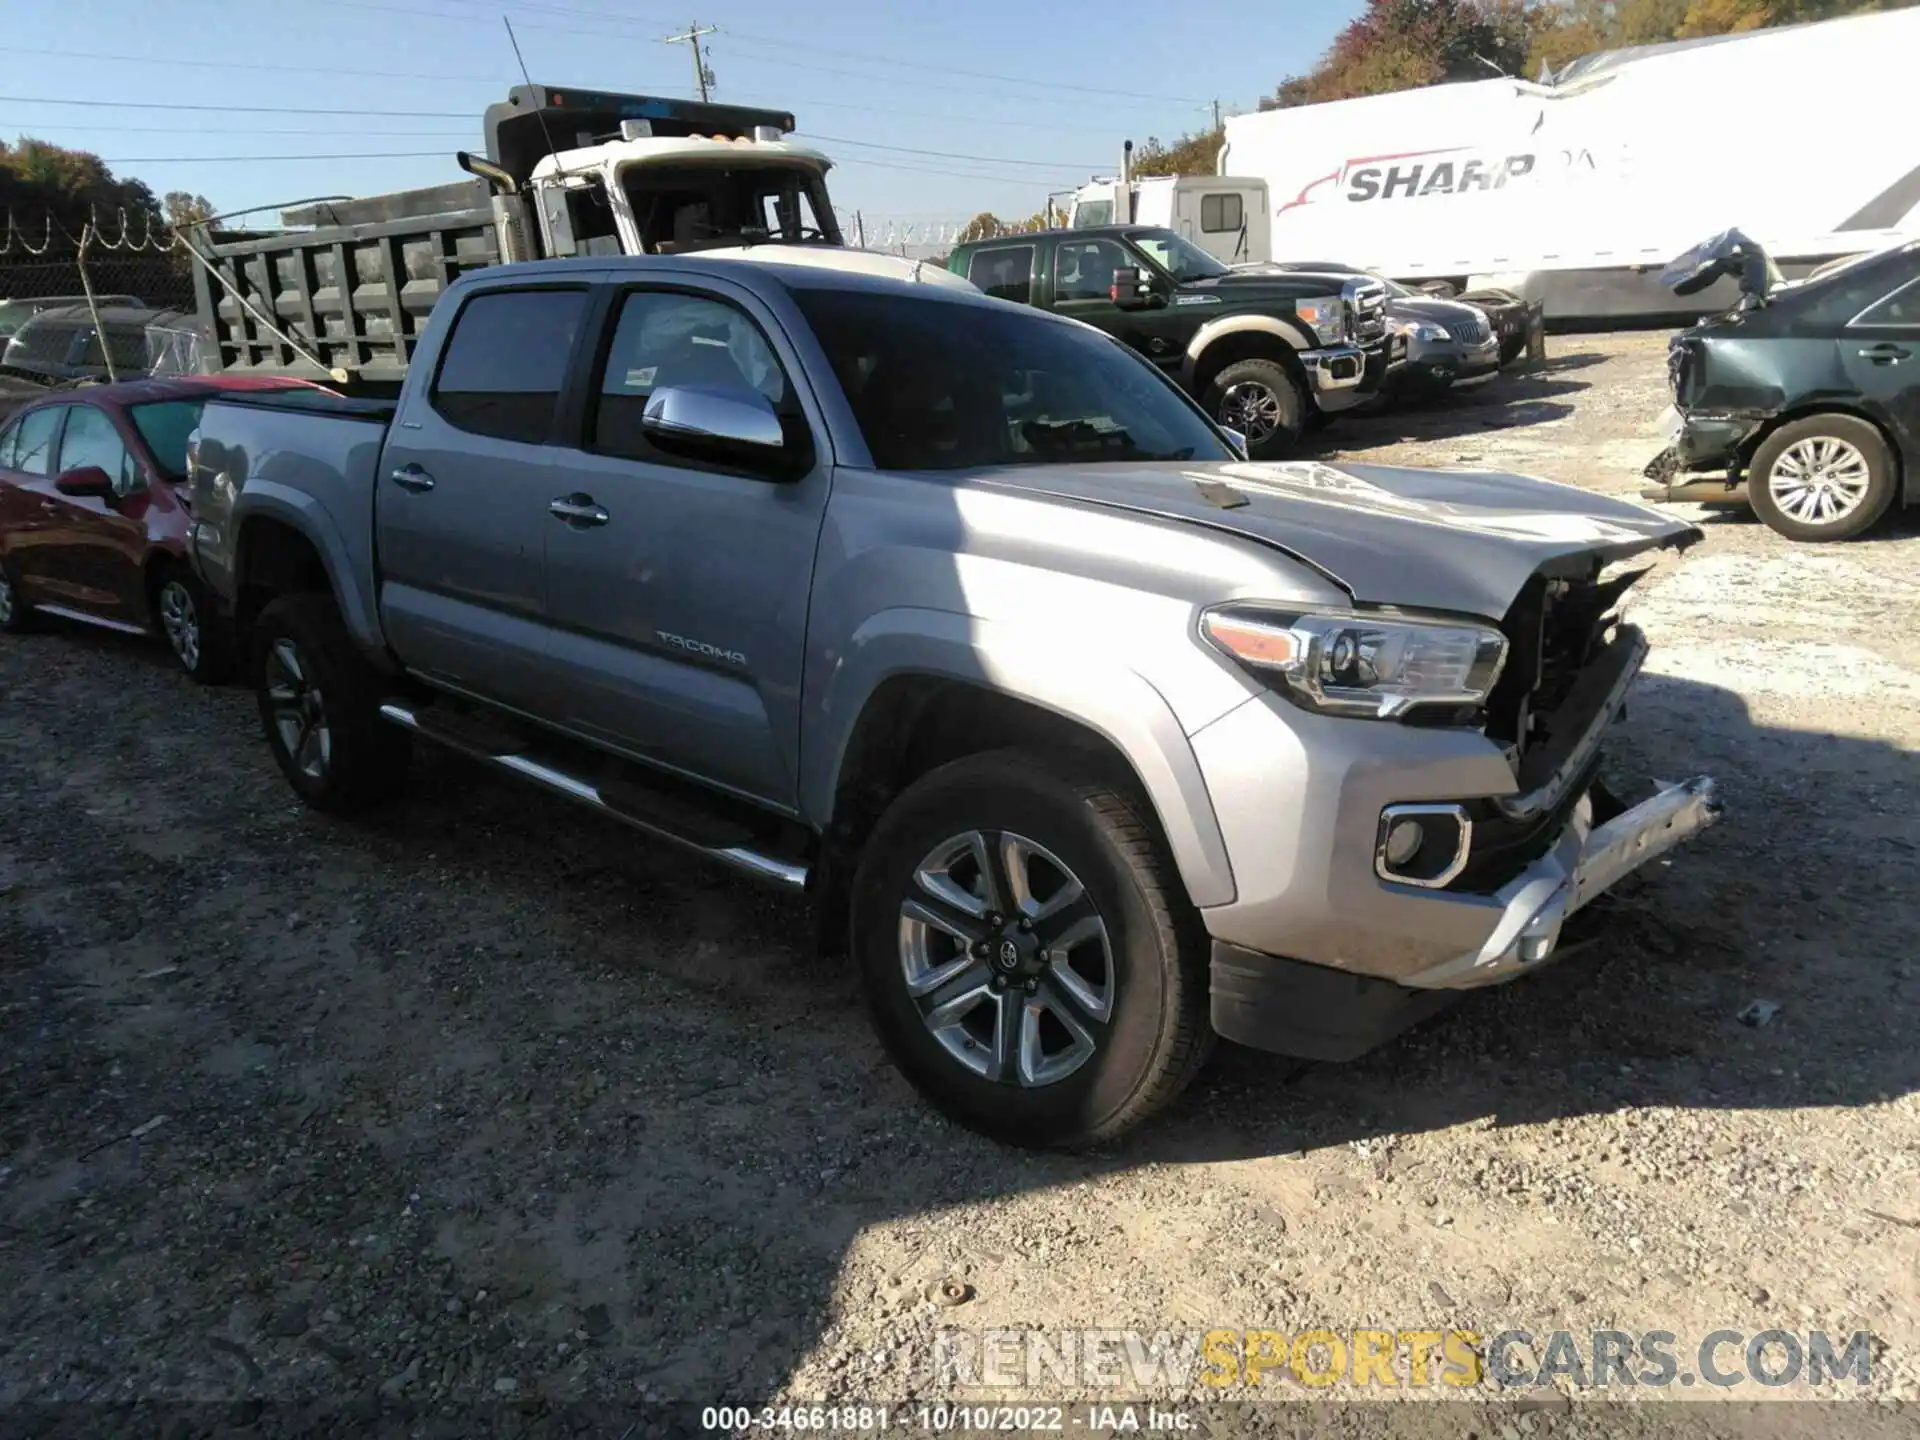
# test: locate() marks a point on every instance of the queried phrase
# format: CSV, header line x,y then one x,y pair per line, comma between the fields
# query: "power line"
x,y
257,159
227,130
150,61
949,154
223,109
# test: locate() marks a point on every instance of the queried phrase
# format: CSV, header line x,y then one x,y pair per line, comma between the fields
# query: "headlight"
x,y
1362,665
1327,314
1423,330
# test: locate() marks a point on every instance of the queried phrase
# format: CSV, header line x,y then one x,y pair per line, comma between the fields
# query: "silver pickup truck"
x,y
1089,739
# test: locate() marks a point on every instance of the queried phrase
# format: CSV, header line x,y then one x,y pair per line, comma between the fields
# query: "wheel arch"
x,y
917,689
284,544
1234,338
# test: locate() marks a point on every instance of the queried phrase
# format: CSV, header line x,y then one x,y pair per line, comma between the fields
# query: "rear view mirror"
x,y
86,482
716,421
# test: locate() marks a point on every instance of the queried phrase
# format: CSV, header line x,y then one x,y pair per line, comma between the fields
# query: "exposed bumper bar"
x,y
1585,863
1335,368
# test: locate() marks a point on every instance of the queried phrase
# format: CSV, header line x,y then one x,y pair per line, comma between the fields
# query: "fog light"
x,y
1424,845
1404,838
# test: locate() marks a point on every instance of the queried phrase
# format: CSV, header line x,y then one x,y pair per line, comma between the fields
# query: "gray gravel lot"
x,y
486,1100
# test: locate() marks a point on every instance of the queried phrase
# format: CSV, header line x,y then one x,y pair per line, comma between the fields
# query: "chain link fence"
x,y
112,301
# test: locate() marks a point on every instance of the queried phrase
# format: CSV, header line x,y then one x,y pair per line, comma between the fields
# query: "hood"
x,y
1730,253
1459,541
844,259
1439,312
1247,284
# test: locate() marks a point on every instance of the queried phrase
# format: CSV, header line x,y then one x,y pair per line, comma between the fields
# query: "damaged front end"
x,y
1713,424
1562,838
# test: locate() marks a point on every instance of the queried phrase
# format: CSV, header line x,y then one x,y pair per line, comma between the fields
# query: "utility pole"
x,y
1216,114
702,76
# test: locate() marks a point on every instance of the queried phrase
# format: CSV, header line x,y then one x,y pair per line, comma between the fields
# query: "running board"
x,y
627,804
101,621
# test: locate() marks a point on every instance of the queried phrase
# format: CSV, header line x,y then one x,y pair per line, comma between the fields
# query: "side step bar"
x,y
770,868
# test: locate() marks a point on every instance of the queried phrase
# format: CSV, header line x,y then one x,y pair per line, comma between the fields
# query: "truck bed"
x,y
355,294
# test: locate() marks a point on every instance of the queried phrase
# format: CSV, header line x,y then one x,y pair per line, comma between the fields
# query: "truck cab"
x,y
1265,353
342,295
1225,215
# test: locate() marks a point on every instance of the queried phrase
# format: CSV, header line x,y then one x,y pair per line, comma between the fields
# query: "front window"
x,y
948,385
698,207
1179,257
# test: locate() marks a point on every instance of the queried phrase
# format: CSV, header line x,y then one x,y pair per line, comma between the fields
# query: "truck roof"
x,y
699,149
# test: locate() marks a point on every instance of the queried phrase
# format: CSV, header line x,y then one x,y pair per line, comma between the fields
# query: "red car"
x,y
94,513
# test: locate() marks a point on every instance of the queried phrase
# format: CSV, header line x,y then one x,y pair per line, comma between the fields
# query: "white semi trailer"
x,y
1577,189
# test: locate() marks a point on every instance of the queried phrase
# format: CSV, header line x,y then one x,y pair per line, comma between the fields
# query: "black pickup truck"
x,y
1265,353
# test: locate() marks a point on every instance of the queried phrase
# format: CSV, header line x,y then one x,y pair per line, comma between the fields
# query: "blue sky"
x,y
1035,97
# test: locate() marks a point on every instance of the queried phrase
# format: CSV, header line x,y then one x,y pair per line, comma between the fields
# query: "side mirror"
x,y
86,482
1131,290
1237,441
714,421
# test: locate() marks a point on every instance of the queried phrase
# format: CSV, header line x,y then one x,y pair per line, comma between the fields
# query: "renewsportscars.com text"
x,y
1439,1359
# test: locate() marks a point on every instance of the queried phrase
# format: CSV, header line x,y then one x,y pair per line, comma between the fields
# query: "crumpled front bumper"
x,y
1586,862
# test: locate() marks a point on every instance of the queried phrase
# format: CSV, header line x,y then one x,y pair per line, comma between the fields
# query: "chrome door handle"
x,y
579,510
412,477
1885,354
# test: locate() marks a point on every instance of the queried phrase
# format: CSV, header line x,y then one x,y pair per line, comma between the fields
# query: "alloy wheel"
x,y
299,711
1819,480
1007,959
1252,409
181,621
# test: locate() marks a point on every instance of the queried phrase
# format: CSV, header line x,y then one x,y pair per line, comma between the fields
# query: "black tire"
x,y
362,759
190,622
1158,1031
15,616
1242,382
1861,438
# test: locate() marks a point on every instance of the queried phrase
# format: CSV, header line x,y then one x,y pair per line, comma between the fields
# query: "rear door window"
x,y
506,362
1005,273
33,445
1901,308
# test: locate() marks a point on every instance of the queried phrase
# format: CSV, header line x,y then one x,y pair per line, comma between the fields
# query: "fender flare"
x,y
1091,690
1297,338
300,512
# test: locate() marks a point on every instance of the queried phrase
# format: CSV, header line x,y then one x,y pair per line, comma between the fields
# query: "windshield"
x,y
948,386
165,426
698,207
1180,258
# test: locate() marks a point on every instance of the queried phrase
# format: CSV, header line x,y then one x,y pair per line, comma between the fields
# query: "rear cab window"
x,y
1003,271
506,362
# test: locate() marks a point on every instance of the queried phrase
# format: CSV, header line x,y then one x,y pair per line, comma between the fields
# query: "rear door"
x,y
95,545
31,510
1881,352
678,589
463,492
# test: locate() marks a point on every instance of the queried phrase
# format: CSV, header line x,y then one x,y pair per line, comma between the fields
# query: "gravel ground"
x,y
487,1101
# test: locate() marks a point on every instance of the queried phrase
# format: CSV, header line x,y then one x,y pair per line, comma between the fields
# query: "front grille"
x,y
1366,311
1469,332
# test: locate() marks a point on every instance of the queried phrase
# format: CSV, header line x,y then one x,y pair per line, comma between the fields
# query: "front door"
x,y
1083,289
96,545
462,495
678,589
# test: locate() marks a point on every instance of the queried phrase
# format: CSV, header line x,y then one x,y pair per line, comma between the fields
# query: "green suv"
x,y
1265,353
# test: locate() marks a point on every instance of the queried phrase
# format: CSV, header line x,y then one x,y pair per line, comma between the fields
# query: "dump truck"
x,y
342,293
